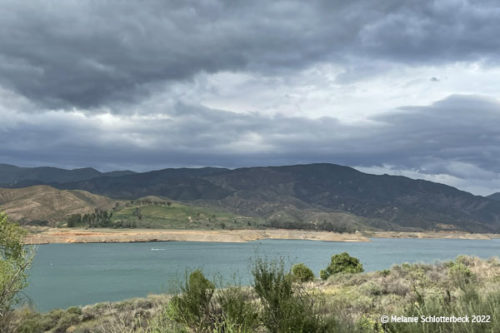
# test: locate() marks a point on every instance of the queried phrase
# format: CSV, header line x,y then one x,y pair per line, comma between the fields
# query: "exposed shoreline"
x,y
53,235
63,235
432,235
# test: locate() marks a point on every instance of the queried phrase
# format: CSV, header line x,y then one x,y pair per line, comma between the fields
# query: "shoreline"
x,y
60,235
431,235
66,235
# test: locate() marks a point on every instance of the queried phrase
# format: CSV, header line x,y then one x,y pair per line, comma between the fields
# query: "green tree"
x,y
342,263
302,273
15,259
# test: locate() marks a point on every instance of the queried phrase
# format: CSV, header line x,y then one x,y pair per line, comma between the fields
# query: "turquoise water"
x,y
78,274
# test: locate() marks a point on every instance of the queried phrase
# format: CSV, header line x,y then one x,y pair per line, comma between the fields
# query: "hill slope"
x,y
297,193
13,176
46,204
494,196
314,196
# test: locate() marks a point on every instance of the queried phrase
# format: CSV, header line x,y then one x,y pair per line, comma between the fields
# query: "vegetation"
x,y
302,273
373,201
99,218
342,263
14,262
154,212
193,307
277,302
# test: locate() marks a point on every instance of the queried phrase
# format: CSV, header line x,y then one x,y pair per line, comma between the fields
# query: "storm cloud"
x,y
386,86
457,137
92,53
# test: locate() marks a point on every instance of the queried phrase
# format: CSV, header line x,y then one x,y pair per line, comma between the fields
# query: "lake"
x,y
63,275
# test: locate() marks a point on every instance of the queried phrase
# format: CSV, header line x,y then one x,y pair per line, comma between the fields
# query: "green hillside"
x,y
167,214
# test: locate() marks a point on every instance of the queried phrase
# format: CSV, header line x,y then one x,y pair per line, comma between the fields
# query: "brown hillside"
x,y
45,203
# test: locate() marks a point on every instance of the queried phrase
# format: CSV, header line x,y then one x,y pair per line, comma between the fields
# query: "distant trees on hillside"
x,y
98,219
303,225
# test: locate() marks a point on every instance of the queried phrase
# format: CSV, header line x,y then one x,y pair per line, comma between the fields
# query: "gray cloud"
x,y
89,53
457,137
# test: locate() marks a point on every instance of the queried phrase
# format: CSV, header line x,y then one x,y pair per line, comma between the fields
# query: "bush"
x,y
302,273
284,309
239,314
463,305
192,307
342,263
15,260
460,274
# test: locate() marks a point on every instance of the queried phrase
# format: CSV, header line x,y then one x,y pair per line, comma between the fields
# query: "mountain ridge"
x,y
308,195
14,176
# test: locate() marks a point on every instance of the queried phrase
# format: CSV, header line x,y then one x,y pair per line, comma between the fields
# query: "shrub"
x,y
342,263
283,308
192,307
302,273
15,260
460,274
488,305
67,320
239,314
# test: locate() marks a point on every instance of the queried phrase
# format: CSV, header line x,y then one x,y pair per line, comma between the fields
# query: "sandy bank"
x,y
51,235
429,234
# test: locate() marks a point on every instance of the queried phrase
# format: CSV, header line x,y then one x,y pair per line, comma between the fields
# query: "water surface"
x,y
78,274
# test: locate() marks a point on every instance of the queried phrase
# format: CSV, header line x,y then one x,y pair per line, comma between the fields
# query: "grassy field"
x,y
175,215
179,216
344,302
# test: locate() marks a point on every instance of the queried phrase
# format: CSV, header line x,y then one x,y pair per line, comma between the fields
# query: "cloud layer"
x,y
387,86
458,137
89,53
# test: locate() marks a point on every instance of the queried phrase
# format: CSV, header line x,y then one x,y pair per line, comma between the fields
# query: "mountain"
x,y
312,194
46,205
494,196
13,176
321,196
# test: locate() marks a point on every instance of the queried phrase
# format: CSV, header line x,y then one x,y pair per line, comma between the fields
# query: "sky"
x,y
399,87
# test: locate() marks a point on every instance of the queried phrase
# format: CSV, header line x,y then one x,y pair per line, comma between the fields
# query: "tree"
x,y
15,259
302,273
342,263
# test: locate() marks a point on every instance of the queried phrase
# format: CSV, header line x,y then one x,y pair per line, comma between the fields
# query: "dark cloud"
x,y
92,53
458,136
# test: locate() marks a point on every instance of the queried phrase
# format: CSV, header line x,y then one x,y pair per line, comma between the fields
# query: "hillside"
x,y
494,196
315,196
13,176
47,205
305,195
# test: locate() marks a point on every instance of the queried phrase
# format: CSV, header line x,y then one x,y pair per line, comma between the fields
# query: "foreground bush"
x,y
193,306
342,263
15,260
285,309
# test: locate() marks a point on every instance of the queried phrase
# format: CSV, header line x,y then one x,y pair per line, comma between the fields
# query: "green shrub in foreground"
x,y
285,309
467,304
192,307
302,273
238,312
342,263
